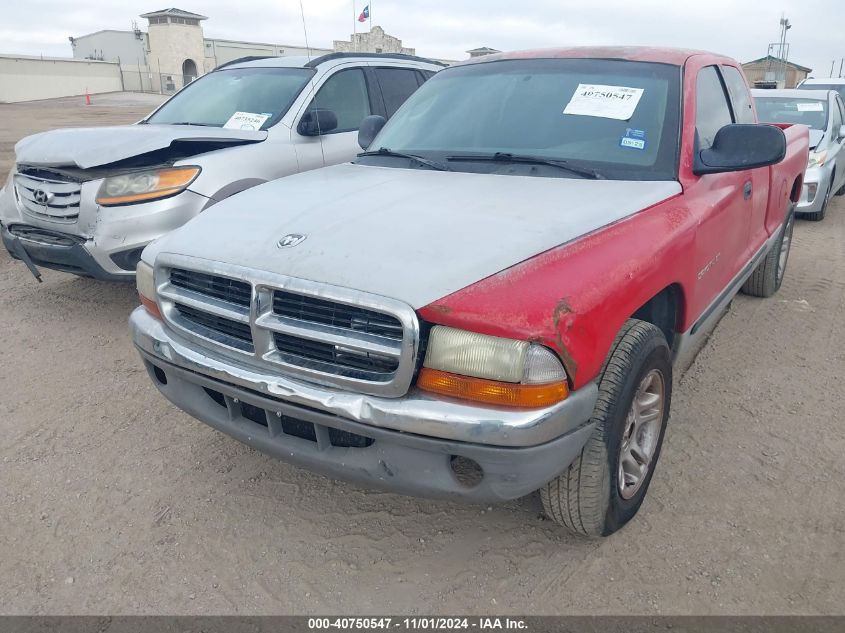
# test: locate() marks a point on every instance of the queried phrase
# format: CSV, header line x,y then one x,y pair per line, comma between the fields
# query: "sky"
x,y
445,29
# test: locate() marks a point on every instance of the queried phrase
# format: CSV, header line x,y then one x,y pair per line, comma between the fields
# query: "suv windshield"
x,y
809,112
213,99
606,118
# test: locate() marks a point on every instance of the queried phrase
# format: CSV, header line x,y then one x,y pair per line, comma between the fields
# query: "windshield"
x,y
840,88
809,112
618,118
261,95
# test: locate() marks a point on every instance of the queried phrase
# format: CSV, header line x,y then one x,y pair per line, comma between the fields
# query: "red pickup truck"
x,y
489,301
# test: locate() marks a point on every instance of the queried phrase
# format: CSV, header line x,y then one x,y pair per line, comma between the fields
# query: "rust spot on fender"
x,y
441,308
562,309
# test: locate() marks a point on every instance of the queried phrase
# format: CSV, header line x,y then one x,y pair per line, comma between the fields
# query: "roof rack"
x,y
242,60
327,58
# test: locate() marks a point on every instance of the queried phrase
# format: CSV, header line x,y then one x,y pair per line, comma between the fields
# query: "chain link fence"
x,y
158,83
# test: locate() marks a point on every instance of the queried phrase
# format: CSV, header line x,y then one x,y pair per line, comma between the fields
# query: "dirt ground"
x,y
112,501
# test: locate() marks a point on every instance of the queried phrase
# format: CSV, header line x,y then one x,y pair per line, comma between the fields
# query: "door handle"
x,y
746,191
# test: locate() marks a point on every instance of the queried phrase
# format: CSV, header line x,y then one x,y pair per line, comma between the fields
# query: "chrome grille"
x,y
335,314
322,333
230,290
50,199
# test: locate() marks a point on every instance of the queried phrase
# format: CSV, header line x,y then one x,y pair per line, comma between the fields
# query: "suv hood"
x,y
410,234
93,147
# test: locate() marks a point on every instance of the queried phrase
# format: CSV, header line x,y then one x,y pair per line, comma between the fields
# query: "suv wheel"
x,y
604,487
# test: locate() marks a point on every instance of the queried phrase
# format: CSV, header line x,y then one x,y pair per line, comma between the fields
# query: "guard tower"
x,y
176,46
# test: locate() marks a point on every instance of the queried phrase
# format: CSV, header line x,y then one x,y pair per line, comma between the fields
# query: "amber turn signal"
x,y
151,307
493,392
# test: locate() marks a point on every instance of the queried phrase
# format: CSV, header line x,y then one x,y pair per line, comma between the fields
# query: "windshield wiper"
x,y
383,151
191,123
507,157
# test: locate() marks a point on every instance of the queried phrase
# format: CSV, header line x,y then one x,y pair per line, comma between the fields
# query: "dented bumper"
x,y
406,444
103,243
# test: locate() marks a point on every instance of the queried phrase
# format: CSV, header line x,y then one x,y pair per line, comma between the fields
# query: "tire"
x,y
818,216
588,497
767,278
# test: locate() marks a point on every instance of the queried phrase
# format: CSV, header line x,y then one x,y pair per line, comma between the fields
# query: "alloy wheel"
x,y
641,434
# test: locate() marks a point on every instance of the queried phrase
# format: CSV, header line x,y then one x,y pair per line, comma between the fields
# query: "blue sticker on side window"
x,y
633,139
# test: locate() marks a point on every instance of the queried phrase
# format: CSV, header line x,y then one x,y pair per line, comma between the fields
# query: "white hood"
x,y
411,234
95,146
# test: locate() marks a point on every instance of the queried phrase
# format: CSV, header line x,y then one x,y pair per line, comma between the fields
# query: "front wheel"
x,y
604,487
767,278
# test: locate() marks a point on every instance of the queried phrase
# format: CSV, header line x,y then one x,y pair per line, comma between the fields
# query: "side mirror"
x,y
370,127
316,122
738,147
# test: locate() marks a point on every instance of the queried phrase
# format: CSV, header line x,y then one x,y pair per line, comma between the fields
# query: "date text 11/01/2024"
x,y
418,623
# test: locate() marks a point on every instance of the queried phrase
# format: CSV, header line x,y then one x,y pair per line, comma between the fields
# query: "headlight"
x,y
491,370
145,280
141,186
817,159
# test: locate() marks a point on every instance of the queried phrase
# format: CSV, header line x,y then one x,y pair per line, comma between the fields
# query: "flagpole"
x,y
371,15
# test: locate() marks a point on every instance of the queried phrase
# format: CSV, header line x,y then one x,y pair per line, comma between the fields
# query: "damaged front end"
x,y
94,220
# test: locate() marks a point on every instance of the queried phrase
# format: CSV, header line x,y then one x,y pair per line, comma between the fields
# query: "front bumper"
x,y
102,242
64,252
413,441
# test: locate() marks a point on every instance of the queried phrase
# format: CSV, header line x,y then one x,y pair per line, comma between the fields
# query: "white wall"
x,y
30,78
221,51
112,46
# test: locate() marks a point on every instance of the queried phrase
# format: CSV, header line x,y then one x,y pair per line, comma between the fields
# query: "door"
x,y
837,143
724,203
742,111
347,94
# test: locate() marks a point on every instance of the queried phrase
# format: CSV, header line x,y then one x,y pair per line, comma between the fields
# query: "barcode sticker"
x,y
609,102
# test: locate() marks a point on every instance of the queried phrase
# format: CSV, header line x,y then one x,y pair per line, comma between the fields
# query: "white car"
x,y
88,200
824,113
824,83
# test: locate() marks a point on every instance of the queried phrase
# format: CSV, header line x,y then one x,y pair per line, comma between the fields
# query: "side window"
x,y
835,119
741,100
711,106
397,84
841,112
427,74
346,95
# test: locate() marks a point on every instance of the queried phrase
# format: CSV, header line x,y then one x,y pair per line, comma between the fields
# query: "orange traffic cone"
x,y
87,97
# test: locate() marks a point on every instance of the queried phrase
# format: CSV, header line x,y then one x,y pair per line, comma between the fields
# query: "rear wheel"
x,y
767,278
604,487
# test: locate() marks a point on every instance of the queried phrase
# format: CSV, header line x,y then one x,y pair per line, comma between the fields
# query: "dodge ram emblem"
x,y
291,239
42,197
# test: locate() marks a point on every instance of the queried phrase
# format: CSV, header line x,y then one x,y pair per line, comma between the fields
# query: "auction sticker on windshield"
x,y
812,106
246,121
609,102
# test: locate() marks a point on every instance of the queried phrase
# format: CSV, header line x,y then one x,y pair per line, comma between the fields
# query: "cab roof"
x,y
673,56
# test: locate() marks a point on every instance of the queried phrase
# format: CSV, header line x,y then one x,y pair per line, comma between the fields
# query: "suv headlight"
x,y
491,369
817,159
141,186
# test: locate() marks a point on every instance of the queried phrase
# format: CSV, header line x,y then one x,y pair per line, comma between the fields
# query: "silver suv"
x,y
88,200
